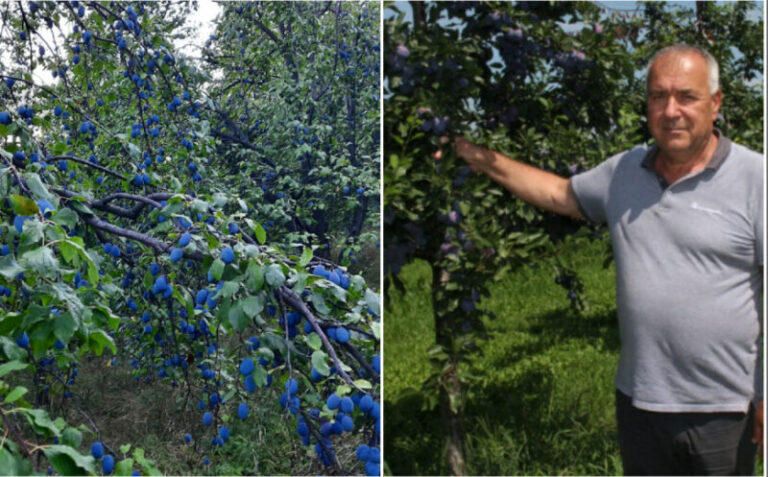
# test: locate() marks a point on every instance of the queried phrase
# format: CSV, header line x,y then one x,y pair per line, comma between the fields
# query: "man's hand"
x,y
475,156
757,437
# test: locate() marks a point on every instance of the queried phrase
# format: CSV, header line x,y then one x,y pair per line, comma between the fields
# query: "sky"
x,y
206,14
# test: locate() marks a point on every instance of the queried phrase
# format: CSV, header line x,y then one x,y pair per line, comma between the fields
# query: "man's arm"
x,y
537,187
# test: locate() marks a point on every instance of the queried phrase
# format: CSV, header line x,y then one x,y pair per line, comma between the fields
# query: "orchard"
x,y
559,85
204,222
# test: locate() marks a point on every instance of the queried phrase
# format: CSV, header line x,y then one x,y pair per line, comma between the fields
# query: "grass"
x,y
543,399
151,416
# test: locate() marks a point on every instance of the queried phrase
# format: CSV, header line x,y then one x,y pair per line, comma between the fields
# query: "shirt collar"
x,y
717,159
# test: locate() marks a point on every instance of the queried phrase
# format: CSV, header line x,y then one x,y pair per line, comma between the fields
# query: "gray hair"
x,y
712,67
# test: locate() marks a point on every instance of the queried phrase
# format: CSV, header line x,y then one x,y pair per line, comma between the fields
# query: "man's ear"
x,y
717,100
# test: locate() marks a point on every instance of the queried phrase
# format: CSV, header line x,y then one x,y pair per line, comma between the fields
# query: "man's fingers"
x,y
757,435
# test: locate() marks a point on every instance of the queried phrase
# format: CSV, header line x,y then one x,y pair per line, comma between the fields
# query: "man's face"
x,y
680,109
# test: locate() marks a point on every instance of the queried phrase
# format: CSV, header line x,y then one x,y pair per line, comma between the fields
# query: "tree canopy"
x,y
198,217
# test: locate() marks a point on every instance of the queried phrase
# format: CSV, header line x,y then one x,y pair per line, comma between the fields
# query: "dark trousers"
x,y
684,443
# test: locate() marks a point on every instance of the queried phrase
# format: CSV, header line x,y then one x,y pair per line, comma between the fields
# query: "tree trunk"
x,y
451,407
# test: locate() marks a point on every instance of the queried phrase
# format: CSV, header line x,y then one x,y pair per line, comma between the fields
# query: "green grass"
x,y
542,402
543,399
151,416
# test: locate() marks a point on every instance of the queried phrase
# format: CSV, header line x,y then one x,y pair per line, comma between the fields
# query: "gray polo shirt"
x,y
688,276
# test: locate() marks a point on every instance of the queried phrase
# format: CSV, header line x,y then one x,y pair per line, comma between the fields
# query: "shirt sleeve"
x,y
591,190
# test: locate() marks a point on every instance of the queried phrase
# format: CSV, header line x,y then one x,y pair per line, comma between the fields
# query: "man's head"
x,y
683,99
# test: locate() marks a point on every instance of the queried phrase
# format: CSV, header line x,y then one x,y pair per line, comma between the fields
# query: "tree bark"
x,y
450,385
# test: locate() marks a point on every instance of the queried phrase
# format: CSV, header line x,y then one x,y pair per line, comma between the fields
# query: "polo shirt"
x,y
689,262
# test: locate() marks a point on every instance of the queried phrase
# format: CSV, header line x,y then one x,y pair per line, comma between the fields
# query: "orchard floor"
x,y
543,402
149,416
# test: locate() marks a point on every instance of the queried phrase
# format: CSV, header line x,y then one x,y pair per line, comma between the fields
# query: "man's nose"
x,y
671,107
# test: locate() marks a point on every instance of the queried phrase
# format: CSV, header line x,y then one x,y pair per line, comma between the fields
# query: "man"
x,y
686,223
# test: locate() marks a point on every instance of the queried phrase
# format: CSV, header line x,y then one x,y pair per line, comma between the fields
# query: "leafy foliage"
x,y
130,224
557,85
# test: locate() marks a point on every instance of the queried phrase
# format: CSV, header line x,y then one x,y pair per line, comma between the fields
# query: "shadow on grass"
x,y
516,423
555,327
413,438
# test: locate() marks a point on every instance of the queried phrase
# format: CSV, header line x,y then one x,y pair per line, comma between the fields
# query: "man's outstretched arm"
x,y
537,187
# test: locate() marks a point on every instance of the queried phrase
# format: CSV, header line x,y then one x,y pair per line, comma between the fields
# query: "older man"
x,y
686,223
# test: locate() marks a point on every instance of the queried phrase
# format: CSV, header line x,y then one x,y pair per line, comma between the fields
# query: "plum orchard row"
x,y
121,238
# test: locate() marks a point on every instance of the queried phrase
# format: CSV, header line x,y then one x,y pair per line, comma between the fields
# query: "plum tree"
x,y
555,84
314,132
130,225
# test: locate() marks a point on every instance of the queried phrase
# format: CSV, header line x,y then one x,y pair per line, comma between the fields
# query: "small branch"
x,y
89,164
295,301
124,195
9,425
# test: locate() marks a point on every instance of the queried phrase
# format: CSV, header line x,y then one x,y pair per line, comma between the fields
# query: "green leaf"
x,y
67,461
23,205
253,305
70,253
41,260
33,233
318,300
217,268
9,268
11,367
255,280
125,448
14,464
363,384
313,341
237,318
14,395
64,293
372,301
228,289
261,234
272,341
306,256
67,217
274,275
64,326
124,467
319,362
10,348
79,205
36,186
98,339
72,437
259,375
39,420
200,206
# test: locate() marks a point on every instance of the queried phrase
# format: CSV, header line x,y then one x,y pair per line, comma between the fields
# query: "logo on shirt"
x,y
697,206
